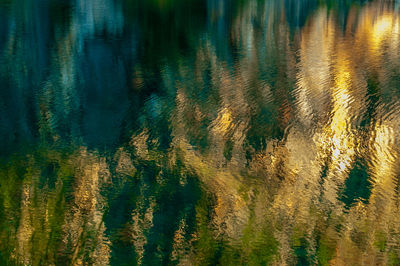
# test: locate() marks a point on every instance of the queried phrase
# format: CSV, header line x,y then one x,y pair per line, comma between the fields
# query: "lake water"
x,y
199,132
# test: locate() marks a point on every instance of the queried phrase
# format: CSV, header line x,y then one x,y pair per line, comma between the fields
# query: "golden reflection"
x,y
286,194
87,210
331,90
382,27
141,223
223,122
338,132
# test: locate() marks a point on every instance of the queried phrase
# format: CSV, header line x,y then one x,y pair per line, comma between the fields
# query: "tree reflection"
x,y
264,133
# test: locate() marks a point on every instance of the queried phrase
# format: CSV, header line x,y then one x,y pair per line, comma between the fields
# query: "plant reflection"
x,y
265,137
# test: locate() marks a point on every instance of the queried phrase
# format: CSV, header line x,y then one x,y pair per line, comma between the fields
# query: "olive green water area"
x,y
199,132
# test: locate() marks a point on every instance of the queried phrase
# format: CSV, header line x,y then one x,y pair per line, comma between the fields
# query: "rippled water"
x,y
199,132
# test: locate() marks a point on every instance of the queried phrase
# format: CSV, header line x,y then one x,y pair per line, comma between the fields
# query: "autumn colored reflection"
x,y
199,132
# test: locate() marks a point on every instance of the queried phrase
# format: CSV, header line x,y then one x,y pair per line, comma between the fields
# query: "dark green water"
x,y
199,132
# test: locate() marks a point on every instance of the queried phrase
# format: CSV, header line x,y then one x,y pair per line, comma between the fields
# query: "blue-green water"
x,y
199,132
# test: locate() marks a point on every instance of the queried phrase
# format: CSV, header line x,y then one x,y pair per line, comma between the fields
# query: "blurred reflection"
x,y
192,132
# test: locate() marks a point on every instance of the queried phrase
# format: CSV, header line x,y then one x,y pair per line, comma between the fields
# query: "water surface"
x,y
199,132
